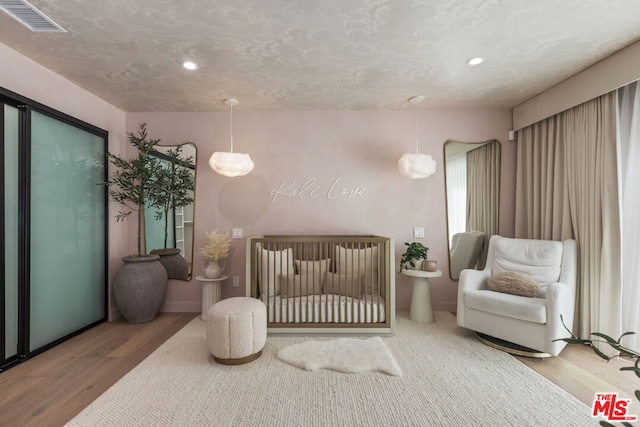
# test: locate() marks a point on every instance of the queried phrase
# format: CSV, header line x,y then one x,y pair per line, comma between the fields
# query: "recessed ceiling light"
x,y
475,61
190,65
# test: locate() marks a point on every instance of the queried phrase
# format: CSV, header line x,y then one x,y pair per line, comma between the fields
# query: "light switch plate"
x,y
236,281
236,233
418,232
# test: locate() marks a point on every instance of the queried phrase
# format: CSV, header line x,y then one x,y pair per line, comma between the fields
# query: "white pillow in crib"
x,y
359,262
300,284
304,267
343,284
271,265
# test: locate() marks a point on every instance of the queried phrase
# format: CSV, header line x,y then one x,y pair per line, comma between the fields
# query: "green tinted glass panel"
x,y
67,243
11,230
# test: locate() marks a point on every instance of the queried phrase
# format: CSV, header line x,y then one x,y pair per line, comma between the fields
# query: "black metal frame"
x,y
3,354
26,106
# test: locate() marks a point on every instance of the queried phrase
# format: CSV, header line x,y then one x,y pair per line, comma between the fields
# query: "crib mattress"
x,y
326,308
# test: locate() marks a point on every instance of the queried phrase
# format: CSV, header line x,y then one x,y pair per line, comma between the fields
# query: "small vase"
x,y
213,268
430,265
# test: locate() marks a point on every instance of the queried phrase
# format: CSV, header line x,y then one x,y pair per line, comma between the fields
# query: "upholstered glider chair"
x,y
519,296
465,250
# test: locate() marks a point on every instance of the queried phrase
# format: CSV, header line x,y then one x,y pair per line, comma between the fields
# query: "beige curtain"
x,y
483,190
567,187
629,153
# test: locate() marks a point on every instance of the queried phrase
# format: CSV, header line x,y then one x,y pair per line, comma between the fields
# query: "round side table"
x,y
421,311
210,293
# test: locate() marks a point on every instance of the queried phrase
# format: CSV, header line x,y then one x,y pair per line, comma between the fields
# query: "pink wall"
x,y
360,148
25,77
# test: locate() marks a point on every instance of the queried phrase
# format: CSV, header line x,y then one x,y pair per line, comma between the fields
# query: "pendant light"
x,y
416,165
229,163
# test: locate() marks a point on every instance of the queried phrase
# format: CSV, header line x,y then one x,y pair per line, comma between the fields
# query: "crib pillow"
x,y
300,284
359,262
304,267
270,266
343,284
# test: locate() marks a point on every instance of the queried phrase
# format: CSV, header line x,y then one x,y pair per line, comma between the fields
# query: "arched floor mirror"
x,y
179,231
472,181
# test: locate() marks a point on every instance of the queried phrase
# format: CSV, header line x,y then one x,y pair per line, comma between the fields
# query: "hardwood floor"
x,y
583,374
53,387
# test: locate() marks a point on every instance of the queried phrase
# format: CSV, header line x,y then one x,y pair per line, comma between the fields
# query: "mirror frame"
x,y
158,148
446,196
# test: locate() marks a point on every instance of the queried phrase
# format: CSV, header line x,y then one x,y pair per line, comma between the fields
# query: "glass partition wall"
x,y
54,253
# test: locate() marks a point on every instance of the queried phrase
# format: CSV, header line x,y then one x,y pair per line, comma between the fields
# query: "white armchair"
x,y
532,322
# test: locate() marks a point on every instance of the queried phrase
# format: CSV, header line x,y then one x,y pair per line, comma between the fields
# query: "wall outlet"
x,y
418,232
236,281
236,233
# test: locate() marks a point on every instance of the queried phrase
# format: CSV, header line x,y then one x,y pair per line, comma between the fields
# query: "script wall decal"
x,y
311,188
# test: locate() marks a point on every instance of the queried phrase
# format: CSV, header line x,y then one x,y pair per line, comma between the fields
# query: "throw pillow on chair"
x,y
515,283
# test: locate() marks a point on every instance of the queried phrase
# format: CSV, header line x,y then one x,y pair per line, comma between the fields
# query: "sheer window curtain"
x,y
567,187
456,171
629,112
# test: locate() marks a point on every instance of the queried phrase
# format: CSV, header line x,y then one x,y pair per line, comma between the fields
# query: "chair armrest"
x,y
471,280
560,301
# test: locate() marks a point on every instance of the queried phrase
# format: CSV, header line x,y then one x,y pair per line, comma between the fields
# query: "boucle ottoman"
x,y
236,330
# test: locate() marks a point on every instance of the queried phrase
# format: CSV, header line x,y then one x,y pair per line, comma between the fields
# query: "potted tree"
x,y
173,189
414,256
140,284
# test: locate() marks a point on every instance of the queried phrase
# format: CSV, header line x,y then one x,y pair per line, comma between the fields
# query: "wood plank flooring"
x,y
54,386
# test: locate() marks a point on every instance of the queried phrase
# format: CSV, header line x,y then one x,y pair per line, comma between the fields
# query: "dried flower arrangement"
x,y
217,246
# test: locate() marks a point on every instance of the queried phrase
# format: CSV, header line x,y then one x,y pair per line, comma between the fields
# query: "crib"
x,y
324,284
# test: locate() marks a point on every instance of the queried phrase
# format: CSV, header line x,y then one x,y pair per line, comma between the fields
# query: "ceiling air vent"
x,y
30,17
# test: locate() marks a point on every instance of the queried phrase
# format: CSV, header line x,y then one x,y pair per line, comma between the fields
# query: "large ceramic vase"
x,y
173,262
139,288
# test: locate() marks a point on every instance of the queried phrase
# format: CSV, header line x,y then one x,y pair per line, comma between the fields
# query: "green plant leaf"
x,y
573,340
606,337
565,327
626,333
599,353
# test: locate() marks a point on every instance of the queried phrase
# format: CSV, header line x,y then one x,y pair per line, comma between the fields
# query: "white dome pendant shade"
x,y
229,163
416,166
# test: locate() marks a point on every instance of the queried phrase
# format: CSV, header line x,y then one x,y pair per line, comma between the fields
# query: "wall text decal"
x,y
310,189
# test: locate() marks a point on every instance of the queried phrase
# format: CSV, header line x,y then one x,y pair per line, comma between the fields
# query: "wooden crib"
x,y
324,284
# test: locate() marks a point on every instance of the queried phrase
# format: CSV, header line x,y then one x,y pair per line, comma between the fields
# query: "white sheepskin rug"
x,y
348,355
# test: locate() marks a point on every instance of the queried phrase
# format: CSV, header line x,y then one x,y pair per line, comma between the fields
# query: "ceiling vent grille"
x,y
30,17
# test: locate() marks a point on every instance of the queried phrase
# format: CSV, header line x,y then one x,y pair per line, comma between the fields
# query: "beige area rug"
x,y
449,379
348,355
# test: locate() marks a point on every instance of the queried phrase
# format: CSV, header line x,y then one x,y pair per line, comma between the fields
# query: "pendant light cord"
x,y
232,127
417,128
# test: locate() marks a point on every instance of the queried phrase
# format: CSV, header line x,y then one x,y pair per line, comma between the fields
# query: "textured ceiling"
x,y
323,54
